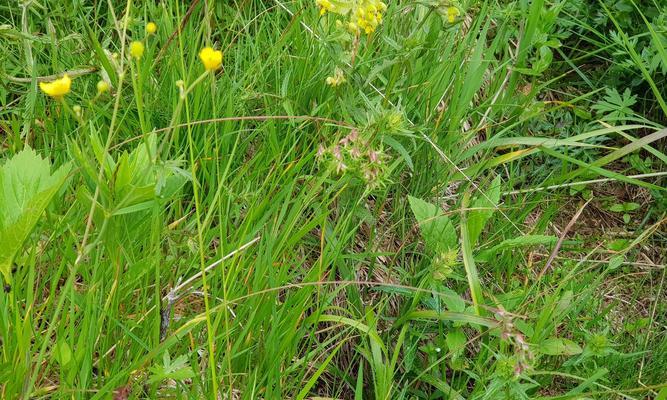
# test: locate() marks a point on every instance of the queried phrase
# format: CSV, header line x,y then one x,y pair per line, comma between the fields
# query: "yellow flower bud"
x,y
212,59
102,87
151,28
57,88
337,79
136,49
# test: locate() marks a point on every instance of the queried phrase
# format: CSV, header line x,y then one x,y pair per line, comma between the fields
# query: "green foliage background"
x,y
476,212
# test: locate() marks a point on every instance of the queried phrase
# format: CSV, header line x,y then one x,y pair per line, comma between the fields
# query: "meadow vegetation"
x,y
333,199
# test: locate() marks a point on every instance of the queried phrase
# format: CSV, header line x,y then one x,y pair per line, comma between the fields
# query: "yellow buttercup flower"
x,y
136,49
102,87
151,28
58,88
452,13
212,59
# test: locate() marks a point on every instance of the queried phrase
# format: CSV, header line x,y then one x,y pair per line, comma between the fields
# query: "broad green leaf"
x,y
624,207
436,228
453,300
26,189
63,353
559,347
456,340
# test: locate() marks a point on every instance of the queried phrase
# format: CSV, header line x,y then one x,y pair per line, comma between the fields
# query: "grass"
x,y
450,222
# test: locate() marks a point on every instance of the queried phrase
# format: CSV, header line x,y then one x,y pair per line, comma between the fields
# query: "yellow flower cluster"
x,y
368,15
210,58
325,5
364,15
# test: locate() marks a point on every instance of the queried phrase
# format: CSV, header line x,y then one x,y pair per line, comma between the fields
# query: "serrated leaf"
x,y
436,228
456,340
453,300
26,189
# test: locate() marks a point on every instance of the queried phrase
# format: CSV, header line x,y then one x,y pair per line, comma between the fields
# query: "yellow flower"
x,y
212,59
325,5
452,13
102,87
369,15
337,79
151,28
136,49
58,88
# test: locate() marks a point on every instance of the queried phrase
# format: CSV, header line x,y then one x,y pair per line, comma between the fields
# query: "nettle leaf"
x,y
436,228
456,340
453,300
559,347
26,189
481,210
